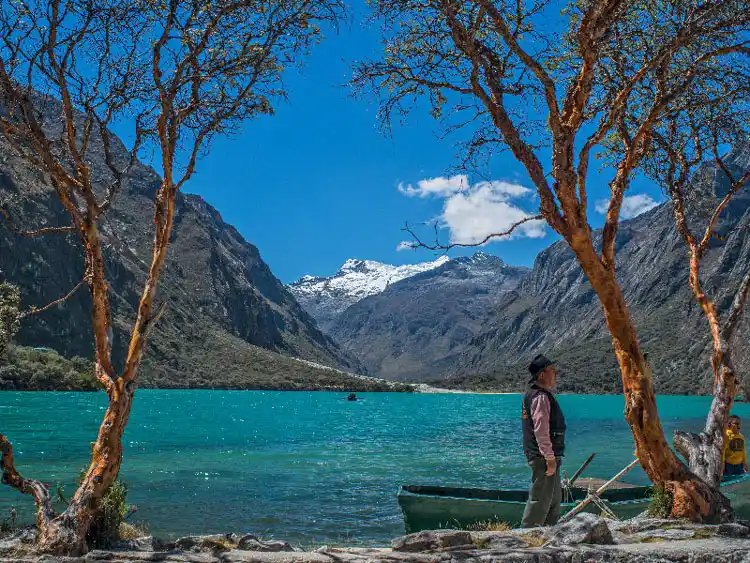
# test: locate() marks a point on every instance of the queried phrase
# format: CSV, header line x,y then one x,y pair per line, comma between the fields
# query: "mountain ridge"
x,y
443,306
215,283
327,297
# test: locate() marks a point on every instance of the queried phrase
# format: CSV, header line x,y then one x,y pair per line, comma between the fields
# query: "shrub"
x,y
128,531
111,513
661,502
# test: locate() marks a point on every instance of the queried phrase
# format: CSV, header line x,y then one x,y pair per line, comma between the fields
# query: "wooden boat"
x,y
434,507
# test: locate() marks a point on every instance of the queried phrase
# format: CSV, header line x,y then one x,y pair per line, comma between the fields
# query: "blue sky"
x,y
318,183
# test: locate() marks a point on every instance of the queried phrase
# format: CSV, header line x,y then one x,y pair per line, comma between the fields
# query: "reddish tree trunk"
x,y
704,451
66,534
693,498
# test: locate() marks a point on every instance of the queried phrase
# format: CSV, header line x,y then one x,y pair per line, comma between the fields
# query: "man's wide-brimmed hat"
x,y
537,365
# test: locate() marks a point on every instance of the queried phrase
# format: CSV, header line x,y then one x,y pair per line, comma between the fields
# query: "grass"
x,y
128,531
489,526
703,533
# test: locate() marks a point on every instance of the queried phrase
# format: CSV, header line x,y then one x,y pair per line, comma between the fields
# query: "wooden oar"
x,y
580,470
600,490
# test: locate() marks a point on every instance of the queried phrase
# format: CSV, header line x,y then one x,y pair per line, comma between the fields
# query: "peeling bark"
x,y
704,451
37,489
694,498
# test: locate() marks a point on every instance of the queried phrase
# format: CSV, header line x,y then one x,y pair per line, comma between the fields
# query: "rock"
x,y
146,543
582,528
250,543
672,534
214,542
500,541
431,540
733,530
16,540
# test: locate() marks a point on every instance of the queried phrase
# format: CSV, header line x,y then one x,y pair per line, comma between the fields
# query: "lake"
x,y
310,468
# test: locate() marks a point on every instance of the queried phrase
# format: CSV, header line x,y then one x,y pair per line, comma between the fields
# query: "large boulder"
x,y
733,530
582,528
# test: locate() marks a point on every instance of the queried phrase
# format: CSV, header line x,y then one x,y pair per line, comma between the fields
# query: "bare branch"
x,y
544,78
37,489
37,310
157,314
738,306
437,246
735,187
35,233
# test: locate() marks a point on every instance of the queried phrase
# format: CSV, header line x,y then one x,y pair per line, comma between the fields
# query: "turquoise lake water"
x,y
310,468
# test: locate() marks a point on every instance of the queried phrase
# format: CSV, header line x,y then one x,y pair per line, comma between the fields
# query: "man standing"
x,y
543,443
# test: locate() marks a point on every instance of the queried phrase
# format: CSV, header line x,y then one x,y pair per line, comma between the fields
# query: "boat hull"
x,y
431,508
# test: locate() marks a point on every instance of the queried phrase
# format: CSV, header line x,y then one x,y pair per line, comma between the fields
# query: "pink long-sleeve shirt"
x,y
540,409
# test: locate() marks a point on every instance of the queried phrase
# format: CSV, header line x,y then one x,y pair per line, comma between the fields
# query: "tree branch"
x,y
154,319
438,246
37,489
736,186
523,152
35,233
532,64
738,306
37,310
685,443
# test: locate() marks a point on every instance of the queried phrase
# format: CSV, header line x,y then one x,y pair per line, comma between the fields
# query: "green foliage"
x,y
10,316
45,370
242,366
109,525
661,502
112,510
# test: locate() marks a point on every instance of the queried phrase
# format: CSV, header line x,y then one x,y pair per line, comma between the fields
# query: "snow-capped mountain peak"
x,y
355,280
362,278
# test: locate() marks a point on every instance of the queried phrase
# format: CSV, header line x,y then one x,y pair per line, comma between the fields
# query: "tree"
x,y
681,146
601,86
181,73
10,316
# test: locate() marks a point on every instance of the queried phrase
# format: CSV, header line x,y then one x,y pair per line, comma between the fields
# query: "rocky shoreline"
x,y
584,539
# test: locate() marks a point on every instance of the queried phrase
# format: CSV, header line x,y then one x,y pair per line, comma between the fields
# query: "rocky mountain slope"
x,y
326,298
221,295
555,311
419,326
481,331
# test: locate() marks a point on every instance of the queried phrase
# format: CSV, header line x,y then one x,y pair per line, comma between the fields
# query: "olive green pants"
x,y
543,506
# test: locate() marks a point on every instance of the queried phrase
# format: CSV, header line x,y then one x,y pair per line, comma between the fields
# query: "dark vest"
x,y
556,424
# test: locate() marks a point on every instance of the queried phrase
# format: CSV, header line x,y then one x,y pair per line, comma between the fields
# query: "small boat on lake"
x,y
434,507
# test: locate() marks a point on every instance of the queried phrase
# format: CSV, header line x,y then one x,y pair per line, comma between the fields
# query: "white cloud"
x,y
405,245
632,205
440,186
471,212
